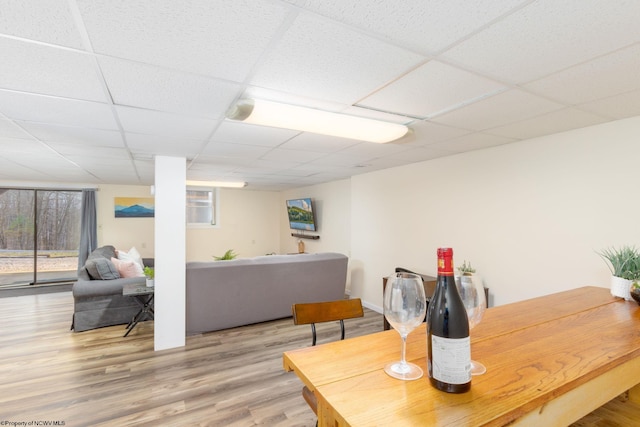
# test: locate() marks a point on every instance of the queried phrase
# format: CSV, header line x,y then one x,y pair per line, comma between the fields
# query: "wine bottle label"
x,y
451,359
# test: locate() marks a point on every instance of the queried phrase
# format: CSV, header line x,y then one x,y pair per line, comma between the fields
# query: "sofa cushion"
x,y
131,255
101,269
127,268
107,252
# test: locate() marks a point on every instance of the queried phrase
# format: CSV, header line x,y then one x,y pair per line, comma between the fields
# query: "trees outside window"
x,y
39,235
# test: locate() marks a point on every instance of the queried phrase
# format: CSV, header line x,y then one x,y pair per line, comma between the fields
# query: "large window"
x,y
39,235
202,206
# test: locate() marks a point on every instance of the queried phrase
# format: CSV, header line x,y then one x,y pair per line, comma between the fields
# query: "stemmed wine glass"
x,y
472,294
405,308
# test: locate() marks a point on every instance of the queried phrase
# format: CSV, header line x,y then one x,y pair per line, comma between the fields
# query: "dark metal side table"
x,y
143,295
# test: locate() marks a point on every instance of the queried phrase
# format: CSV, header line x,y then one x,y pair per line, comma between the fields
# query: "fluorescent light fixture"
x,y
227,184
268,113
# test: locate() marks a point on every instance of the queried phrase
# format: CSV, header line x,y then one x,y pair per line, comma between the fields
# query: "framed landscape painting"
x,y
134,207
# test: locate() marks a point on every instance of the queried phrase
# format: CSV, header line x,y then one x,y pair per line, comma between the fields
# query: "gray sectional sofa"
x,y
220,294
226,294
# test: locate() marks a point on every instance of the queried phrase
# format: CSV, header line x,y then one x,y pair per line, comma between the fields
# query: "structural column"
x,y
170,252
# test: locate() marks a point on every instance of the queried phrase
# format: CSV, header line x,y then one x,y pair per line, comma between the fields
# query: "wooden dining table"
x,y
550,360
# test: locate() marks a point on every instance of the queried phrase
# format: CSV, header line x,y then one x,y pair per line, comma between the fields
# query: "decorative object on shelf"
x,y
230,254
300,247
465,269
149,273
624,264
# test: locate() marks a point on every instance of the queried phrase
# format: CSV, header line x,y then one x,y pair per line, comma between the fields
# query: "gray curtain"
x,y
88,228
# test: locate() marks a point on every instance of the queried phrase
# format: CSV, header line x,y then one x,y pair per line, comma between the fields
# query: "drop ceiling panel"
x,y
431,88
9,129
223,149
146,86
45,21
547,36
498,110
282,154
216,38
606,76
545,124
618,107
426,133
60,111
50,71
323,60
472,141
426,26
321,143
241,133
137,120
78,151
163,145
75,135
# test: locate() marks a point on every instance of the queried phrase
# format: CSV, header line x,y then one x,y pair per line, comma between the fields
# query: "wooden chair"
x,y
320,312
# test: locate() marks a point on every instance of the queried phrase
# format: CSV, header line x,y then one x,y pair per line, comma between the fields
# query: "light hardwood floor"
x,y
226,378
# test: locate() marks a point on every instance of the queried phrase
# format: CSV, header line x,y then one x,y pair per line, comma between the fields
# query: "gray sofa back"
x,y
226,294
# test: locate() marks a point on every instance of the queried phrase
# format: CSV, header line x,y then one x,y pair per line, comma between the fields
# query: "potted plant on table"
x,y
149,273
624,264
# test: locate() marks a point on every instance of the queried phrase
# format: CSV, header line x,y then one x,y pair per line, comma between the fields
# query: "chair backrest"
x,y
328,311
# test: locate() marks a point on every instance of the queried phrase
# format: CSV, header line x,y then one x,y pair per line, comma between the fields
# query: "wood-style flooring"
x,y
228,378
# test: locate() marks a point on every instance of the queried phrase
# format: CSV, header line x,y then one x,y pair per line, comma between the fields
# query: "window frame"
x,y
215,207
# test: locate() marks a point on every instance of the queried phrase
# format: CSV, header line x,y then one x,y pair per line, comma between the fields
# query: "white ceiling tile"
x,y
431,88
472,141
606,76
50,71
76,135
223,149
45,21
498,110
151,87
242,133
423,25
20,145
425,133
163,145
619,107
547,36
9,129
281,154
319,59
217,38
545,124
315,142
137,120
60,111
75,151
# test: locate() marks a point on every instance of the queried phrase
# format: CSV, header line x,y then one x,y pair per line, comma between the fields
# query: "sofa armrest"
x,y
94,288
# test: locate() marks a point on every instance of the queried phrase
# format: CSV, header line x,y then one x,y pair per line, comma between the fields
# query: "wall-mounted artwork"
x,y
134,207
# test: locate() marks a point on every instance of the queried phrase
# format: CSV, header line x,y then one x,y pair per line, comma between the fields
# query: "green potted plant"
x,y
624,264
230,254
150,275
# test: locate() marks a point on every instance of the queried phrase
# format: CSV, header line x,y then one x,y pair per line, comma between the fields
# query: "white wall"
x,y
332,204
249,224
529,216
124,233
247,220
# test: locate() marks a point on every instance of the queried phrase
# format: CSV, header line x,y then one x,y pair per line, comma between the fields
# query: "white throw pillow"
x,y
134,256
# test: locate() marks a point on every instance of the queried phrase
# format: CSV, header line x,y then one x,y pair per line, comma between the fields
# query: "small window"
x,y
202,206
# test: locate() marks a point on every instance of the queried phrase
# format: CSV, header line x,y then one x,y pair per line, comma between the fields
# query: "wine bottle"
x,y
448,343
